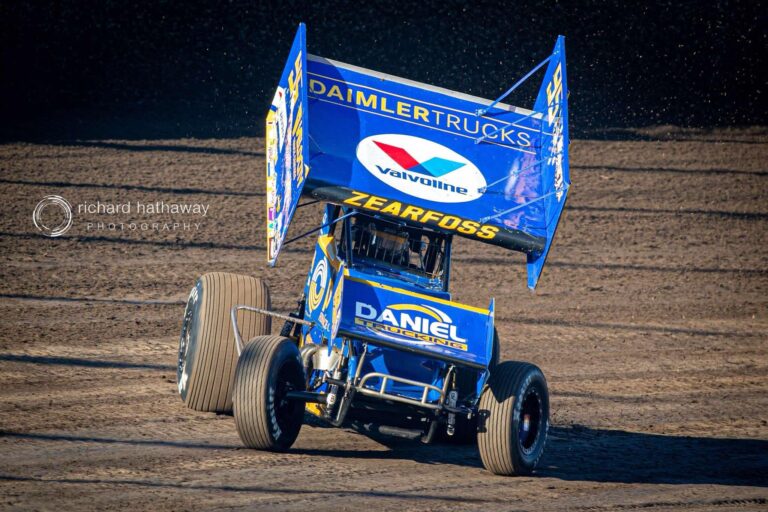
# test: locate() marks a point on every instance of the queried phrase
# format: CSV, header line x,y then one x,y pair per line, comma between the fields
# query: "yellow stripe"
x,y
415,307
420,296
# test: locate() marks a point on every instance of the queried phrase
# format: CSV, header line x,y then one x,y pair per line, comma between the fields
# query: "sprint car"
x,y
401,168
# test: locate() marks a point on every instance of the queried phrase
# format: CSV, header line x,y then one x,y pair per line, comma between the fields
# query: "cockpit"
x,y
395,249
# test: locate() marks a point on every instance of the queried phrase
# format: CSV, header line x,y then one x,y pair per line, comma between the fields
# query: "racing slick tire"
x,y
268,368
514,418
207,352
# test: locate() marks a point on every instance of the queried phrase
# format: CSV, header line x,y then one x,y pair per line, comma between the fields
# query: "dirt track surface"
x,y
650,322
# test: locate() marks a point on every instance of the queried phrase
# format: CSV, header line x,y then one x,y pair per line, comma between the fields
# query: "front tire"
x,y
268,368
207,353
514,418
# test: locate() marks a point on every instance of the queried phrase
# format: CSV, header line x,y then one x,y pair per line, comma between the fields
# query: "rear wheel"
x,y
268,368
207,353
514,418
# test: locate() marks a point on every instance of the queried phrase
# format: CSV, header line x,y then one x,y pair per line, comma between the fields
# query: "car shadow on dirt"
x,y
582,453
579,453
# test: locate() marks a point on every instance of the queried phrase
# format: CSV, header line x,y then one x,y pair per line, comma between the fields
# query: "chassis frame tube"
x,y
240,307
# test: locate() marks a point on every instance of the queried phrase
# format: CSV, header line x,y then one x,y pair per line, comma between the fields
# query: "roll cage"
x,y
416,255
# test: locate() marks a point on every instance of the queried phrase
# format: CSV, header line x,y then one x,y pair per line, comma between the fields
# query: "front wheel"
x,y
514,418
207,354
268,368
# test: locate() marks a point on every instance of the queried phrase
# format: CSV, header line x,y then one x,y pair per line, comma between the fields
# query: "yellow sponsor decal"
x,y
554,94
415,307
295,80
422,215
555,119
318,284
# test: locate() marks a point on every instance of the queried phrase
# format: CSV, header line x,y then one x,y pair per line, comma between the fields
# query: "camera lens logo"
x,y
53,216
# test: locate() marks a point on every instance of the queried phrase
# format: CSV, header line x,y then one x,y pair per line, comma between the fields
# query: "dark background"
x,y
113,69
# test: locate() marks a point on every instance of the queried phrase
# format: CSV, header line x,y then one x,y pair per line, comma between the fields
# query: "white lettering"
x,y
369,314
408,321
439,329
387,316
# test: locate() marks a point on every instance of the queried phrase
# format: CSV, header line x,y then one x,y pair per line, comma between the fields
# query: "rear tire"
x,y
269,367
207,353
514,418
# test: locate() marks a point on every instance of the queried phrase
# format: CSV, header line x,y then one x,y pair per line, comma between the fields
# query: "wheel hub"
x,y
530,421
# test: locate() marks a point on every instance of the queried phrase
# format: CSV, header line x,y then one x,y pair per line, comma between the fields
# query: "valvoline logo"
x,y
421,168
435,166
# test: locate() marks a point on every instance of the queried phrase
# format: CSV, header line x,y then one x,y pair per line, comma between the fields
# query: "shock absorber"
x,y
333,391
453,397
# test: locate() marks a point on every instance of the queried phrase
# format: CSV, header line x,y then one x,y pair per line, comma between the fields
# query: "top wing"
x,y
429,156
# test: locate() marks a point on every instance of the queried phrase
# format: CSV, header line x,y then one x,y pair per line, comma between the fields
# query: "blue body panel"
x,y
418,323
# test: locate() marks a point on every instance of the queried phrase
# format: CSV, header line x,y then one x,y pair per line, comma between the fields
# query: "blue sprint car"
x,y
401,168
